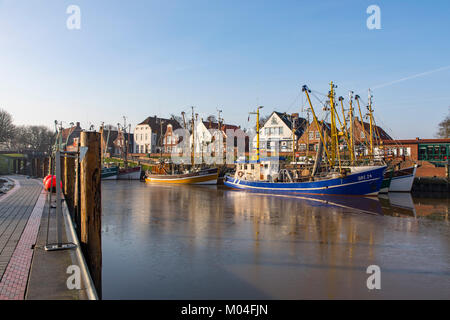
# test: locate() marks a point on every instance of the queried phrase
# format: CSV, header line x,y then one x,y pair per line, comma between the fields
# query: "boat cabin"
x,y
266,169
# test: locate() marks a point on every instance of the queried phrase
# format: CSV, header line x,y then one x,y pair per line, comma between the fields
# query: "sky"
x,y
143,58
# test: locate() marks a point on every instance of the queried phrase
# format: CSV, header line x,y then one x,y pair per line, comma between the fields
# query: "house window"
x,y
302,147
281,130
362,135
311,134
317,135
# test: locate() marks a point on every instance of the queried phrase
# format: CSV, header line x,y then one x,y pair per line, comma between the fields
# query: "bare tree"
x,y
7,128
34,138
262,121
444,128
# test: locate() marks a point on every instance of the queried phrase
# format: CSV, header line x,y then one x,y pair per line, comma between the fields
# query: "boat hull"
x,y
208,177
109,173
402,180
362,183
130,174
386,182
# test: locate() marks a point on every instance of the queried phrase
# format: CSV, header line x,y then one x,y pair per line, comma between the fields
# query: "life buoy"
x,y
240,174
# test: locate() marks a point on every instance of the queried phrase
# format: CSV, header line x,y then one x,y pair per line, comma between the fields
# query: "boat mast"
x,y
293,139
334,136
350,112
307,136
306,91
344,125
357,97
193,137
125,145
257,131
371,123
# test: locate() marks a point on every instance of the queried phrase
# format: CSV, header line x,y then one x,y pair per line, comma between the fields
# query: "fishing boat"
x,y
267,175
109,173
363,182
403,179
387,178
181,175
206,176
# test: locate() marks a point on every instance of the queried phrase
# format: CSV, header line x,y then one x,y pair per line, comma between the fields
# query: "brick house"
x,y
171,139
309,141
431,154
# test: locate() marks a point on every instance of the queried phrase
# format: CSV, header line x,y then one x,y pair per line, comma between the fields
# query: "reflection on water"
x,y
188,242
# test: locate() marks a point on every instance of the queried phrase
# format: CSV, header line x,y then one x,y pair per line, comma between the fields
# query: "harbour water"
x,y
208,242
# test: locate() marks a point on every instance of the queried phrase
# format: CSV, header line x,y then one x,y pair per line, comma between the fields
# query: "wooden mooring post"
x,y
69,182
91,205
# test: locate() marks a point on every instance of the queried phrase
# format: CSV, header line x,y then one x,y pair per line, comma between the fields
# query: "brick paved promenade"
x,y
20,215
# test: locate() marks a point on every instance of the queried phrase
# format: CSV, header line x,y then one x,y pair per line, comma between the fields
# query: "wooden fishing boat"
x,y
205,176
110,173
403,179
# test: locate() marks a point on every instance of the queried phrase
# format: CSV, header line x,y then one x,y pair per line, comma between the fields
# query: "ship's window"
x,y
266,166
253,166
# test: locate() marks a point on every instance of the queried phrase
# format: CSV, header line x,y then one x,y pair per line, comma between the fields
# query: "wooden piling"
x,y
69,182
91,205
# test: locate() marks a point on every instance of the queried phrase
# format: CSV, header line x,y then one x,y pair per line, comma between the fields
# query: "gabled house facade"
x,y
149,134
207,133
71,136
276,133
113,142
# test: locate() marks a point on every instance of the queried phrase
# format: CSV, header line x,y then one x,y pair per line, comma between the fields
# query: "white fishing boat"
x,y
403,179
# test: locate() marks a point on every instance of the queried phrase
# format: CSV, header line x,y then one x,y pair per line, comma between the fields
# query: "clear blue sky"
x,y
140,58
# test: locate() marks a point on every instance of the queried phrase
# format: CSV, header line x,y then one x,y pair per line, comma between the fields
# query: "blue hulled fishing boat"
x,y
332,176
359,181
